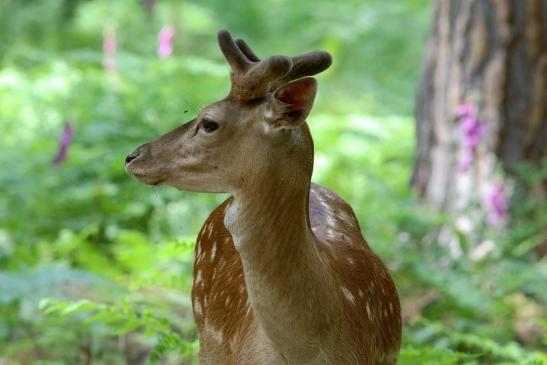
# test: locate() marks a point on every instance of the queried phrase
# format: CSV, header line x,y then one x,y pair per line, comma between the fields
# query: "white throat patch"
x,y
230,222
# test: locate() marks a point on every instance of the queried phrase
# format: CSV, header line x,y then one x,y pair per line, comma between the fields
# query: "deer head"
x,y
260,125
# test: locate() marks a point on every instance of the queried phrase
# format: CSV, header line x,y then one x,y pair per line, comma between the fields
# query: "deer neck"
x,y
270,211
284,274
270,214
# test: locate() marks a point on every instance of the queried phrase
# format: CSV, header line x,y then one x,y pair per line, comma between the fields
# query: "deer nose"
x,y
133,155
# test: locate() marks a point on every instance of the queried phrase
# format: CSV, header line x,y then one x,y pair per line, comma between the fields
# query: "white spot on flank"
x,y
198,277
350,261
349,296
369,313
197,307
360,293
345,216
209,230
213,250
227,301
391,307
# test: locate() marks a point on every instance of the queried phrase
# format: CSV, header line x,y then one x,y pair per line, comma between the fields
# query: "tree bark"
x,y
492,53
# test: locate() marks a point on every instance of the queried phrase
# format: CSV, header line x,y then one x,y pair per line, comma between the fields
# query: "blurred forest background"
x,y
95,268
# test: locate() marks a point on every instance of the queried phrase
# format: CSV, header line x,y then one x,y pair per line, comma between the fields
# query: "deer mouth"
x,y
143,177
139,173
148,179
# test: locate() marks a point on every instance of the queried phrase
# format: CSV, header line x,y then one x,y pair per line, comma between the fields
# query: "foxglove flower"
x,y
64,144
473,132
497,201
165,41
110,47
466,109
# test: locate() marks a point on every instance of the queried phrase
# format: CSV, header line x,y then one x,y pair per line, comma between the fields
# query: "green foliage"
x,y
123,318
432,356
96,267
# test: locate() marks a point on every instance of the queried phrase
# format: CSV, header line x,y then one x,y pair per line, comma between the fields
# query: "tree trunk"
x,y
493,55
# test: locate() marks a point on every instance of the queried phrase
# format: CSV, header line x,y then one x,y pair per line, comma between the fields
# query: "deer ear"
x,y
291,103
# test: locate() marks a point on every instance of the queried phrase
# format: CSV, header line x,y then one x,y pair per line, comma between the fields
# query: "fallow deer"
x,y
282,273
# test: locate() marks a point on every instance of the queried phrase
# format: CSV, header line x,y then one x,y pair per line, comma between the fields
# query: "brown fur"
x,y
375,333
282,273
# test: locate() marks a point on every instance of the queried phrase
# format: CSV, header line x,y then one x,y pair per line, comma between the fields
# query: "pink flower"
x,y
66,139
466,109
165,41
110,47
473,132
497,201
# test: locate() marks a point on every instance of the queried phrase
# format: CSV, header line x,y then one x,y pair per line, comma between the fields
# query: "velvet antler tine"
x,y
258,80
253,78
309,64
231,51
247,51
271,69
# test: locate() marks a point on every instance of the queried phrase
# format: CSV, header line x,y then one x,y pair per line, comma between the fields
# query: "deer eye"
x,y
208,125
